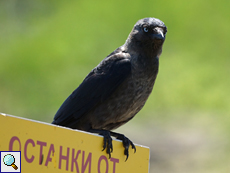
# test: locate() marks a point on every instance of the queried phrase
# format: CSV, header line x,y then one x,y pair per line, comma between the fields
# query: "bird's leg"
x,y
107,140
126,143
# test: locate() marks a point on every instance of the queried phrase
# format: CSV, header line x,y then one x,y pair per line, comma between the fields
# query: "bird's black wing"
x,y
98,85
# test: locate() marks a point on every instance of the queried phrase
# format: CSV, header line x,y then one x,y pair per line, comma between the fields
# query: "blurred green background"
x,y
48,47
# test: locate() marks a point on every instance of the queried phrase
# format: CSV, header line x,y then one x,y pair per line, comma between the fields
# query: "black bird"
x,y
117,89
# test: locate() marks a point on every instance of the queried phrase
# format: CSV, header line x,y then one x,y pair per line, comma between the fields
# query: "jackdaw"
x,y
117,89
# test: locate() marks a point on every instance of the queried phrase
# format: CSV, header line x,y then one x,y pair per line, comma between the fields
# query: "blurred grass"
x,y
47,48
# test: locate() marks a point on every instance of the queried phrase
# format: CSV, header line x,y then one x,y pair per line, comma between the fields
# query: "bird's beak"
x,y
158,34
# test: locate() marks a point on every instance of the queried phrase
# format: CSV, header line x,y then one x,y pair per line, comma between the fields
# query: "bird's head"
x,y
147,33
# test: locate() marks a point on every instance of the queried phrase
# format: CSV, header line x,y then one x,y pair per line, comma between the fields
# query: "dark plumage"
x,y
117,89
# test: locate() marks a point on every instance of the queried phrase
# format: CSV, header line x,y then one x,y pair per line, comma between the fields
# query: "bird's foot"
x,y
107,144
126,143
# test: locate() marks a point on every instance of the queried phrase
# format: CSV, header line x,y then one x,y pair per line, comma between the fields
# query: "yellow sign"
x,y
48,148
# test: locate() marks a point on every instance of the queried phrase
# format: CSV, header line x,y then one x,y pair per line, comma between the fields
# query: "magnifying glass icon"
x,y
9,160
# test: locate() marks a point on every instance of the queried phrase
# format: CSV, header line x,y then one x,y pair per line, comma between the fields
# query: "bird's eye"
x,y
146,29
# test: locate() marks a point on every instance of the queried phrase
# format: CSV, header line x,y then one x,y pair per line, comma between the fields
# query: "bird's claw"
x,y
133,146
107,143
126,143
